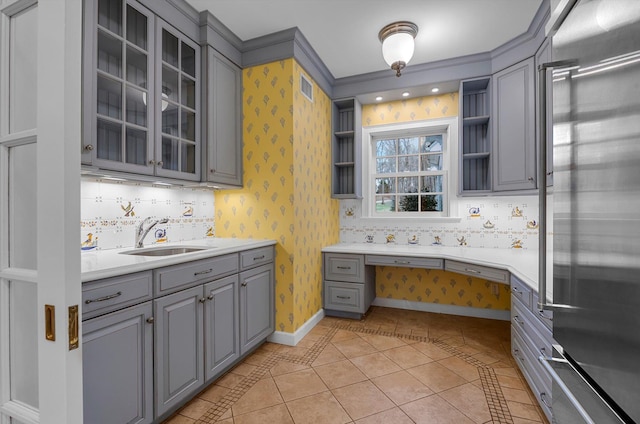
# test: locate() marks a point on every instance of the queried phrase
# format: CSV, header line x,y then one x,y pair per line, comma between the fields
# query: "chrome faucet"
x,y
141,233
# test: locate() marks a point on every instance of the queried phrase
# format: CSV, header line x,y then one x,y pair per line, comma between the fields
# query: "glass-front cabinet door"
x,y
141,100
177,147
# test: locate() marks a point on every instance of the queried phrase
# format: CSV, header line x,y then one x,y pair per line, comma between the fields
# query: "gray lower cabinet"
x,y
221,325
117,355
531,337
513,119
349,285
257,302
153,339
179,347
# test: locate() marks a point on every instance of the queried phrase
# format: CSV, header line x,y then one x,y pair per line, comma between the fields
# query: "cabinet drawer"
x,y
344,267
537,337
256,257
404,261
493,274
103,296
176,277
344,296
539,380
545,316
521,291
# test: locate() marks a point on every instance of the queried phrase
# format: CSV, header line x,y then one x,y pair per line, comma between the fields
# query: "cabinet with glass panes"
x,y
141,108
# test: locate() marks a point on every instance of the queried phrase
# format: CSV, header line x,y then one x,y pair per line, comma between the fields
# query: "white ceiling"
x,y
344,33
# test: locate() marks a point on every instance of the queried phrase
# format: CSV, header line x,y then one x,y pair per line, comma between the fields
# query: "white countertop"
x,y
110,263
522,263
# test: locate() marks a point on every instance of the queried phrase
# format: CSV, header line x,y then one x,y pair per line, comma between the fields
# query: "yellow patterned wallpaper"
x,y
424,285
439,286
418,109
286,193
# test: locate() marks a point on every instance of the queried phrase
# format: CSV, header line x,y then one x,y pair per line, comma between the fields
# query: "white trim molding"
x,y
292,339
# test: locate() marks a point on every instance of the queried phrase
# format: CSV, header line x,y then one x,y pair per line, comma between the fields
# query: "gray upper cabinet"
x,y
257,302
221,326
223,158
513,119
178,347
543,55
141,92
117,363
346,149
475,136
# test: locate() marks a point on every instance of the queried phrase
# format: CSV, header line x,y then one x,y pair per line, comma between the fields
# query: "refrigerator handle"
x,y
542,178
558,380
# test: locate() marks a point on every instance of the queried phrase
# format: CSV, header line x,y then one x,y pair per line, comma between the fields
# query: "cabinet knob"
x,y
530,178
212,171
88,147
160,163
244,284
152,162
203,299
210,297
151,320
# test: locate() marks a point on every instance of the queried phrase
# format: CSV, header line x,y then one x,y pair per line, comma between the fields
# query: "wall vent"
x,y
306,87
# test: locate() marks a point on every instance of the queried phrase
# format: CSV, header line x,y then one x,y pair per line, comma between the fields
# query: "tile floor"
x,y
393,367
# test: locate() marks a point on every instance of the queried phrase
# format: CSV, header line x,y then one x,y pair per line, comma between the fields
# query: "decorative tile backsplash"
x,y
110,212
495,222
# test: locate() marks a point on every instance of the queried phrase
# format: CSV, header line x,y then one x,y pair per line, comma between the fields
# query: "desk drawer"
x,y
404,261
104,296
255,257
344,267
344,296
493,274
521,291
173,278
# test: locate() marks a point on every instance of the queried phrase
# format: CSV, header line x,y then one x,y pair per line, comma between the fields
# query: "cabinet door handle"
x,y
244,284
543,316
515,291
210,297
102,299
473,271
151,320
343,267
543,398
203,272
343,297
519,321
257,258
202,299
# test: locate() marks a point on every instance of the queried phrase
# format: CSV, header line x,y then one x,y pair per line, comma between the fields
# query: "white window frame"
x,y
448,127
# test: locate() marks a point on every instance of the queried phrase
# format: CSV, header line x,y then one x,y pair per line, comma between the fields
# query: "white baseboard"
x,y
292,339
443,309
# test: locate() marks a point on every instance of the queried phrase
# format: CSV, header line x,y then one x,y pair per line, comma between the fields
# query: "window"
x,y
406,169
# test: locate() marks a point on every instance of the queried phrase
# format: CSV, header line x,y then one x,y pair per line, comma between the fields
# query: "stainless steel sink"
x,y
164,251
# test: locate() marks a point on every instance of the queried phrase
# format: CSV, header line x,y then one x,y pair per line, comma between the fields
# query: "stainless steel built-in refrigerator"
x,y
596,203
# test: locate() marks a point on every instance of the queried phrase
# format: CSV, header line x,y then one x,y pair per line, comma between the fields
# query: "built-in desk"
x,y
491,264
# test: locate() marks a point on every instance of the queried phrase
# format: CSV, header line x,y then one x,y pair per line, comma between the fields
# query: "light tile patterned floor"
x,y
394,366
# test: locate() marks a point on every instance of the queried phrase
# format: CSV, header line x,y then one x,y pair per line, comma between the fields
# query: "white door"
x,y
40,83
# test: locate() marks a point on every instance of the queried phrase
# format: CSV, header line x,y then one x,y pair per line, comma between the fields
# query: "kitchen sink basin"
x,y
164,251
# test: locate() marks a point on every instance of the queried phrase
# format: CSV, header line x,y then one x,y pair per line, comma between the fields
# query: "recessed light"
x,y
378,98
435,89
405,94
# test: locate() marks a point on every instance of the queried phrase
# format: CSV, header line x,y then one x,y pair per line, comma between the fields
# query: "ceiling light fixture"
x,y
378,98
435,89
406,94
398,44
